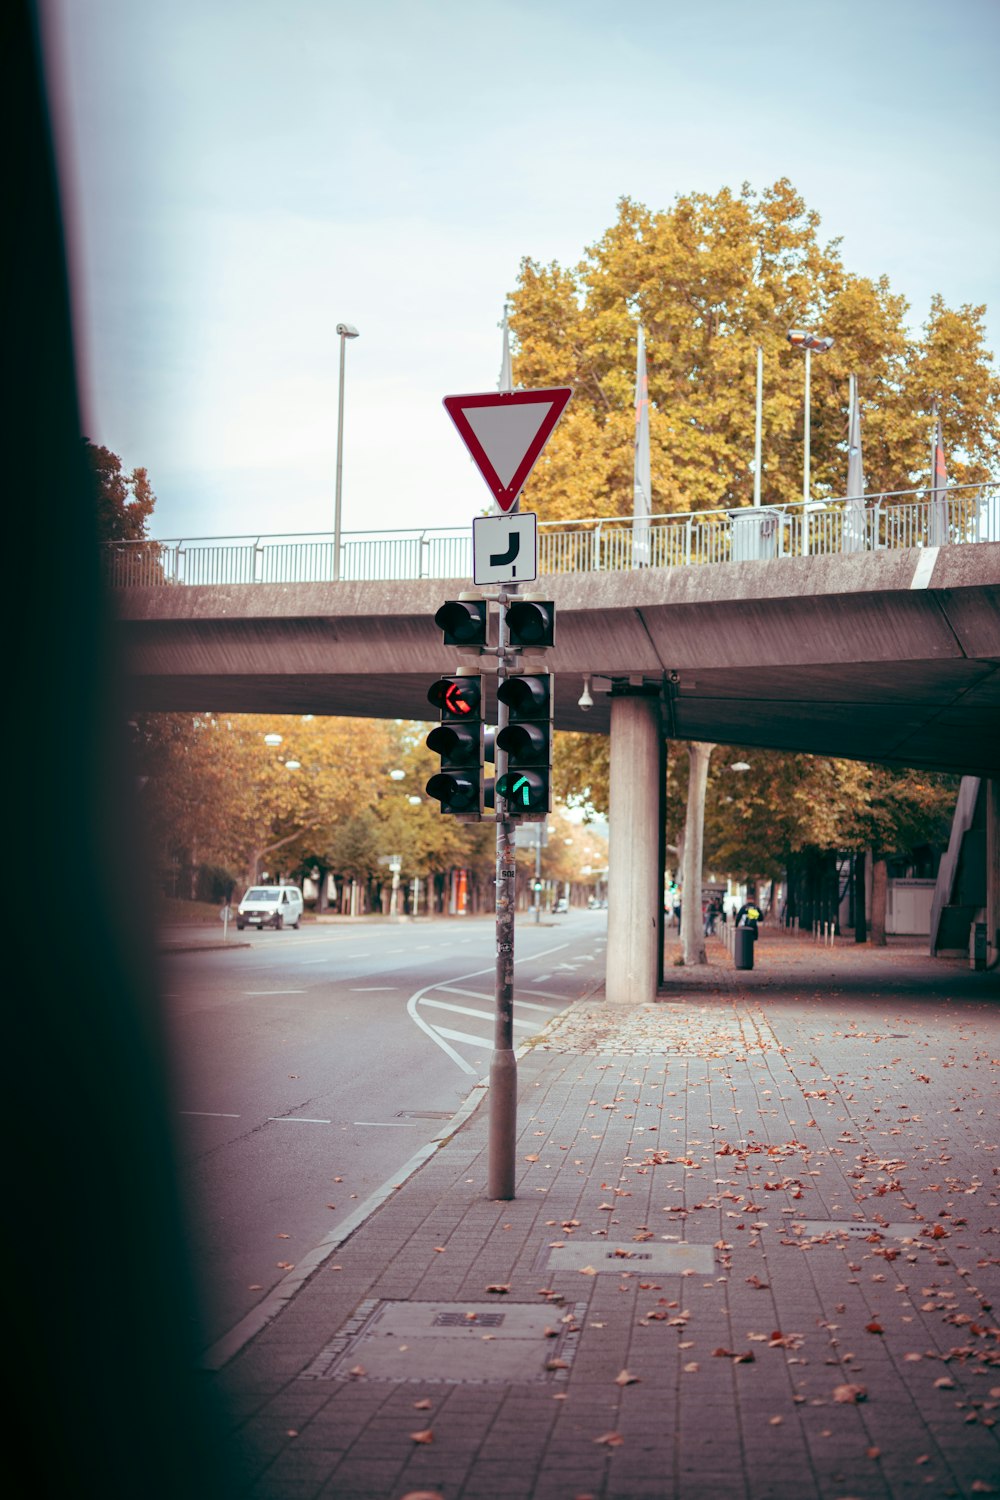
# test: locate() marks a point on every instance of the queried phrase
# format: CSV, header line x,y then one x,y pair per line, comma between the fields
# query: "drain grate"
x,y
463,1320
856,1229
451,1343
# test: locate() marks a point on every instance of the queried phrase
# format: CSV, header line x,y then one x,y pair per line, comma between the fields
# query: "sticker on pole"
x,y
505,548
505,432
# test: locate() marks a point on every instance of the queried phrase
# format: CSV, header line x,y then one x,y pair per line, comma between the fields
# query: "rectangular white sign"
x,y
505,548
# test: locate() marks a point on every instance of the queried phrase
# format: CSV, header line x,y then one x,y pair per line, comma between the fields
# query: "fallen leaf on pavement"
x,y
874,1327
426,1436
357,1371
625,1378
847,1394
610,1439
424,1405
423,1495
499,1287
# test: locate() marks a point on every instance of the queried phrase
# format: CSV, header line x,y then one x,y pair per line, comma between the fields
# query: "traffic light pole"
x,y
503,1064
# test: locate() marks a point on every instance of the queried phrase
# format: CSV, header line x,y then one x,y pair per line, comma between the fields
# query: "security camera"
x,y
585,701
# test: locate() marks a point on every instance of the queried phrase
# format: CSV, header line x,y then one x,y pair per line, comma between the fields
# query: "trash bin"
x,y
743,950
977,945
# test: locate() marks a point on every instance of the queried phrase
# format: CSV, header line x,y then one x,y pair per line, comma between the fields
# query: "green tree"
x,y
124,501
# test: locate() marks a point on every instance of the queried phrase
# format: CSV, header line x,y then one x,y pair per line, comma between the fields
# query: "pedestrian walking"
x,y
748,916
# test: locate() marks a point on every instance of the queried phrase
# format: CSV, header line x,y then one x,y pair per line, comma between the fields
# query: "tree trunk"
x,y
860,922
692,926
880,892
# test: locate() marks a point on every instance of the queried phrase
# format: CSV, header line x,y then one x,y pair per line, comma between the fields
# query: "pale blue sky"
x,y
245,174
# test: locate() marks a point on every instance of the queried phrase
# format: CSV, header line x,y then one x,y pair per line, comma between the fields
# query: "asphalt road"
x,y
310,1066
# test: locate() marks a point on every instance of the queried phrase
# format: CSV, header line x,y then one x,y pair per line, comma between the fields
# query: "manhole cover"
x,y
455,1342
857,1229
663,1259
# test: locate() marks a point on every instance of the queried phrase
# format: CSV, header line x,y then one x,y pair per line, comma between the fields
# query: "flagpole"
x,y
642,484
757,429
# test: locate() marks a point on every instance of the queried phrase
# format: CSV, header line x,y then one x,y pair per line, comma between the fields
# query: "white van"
x,y
274,906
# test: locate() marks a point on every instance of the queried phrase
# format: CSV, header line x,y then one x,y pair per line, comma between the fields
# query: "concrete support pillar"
x,y
992,873
634,850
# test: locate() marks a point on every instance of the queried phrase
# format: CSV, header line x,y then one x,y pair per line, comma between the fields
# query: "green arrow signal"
x,y
522,781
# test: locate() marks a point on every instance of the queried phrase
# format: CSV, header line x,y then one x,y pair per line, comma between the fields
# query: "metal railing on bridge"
x,y
891,521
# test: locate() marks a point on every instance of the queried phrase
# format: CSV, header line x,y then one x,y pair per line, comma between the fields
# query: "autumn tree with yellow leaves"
x,y
711,279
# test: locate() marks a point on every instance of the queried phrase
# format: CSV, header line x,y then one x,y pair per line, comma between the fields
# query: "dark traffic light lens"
x,y
530,623
463,622
525,742
526,696
456,745
455,793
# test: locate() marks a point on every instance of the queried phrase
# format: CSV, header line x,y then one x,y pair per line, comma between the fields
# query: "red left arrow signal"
x,y
454,699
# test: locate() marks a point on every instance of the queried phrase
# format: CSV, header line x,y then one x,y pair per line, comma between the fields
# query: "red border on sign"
x,y
456,407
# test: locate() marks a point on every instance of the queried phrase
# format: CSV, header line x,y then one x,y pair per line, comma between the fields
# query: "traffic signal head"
x,y
531,623
526,739
463,622
458,739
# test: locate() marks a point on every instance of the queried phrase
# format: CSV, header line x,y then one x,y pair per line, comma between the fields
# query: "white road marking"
x,y
541,978
295,1120
390,1124
463,1036
437,1034
209,1114
452,989
374,989
467,1010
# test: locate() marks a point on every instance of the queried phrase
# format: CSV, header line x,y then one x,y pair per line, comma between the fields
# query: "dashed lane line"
x,y
295,1120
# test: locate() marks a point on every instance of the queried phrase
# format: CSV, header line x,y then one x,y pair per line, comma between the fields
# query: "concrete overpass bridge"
x,y
889,655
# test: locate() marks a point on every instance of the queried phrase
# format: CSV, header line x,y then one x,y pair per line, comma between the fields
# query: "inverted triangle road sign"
x,y
505,432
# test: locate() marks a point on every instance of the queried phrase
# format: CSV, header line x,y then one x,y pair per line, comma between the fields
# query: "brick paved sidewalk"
x,y
754,1253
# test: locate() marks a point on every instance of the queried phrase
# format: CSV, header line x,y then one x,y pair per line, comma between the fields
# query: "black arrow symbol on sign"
x,y
499,559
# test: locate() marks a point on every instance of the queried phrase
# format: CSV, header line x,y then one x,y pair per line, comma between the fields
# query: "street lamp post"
x,y
800,339
345,331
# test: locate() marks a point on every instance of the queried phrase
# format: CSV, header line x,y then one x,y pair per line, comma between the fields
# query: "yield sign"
x,y
505,431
